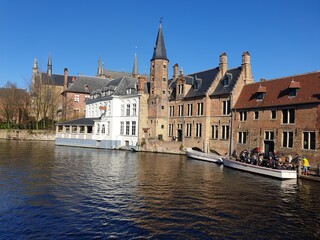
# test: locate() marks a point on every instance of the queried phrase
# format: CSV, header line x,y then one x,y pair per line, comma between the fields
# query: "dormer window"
x,y
180,89
260,93
227,80
292,92
293,88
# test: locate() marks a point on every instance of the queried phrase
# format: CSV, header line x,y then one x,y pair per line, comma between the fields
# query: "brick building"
x,y
200,103
281,115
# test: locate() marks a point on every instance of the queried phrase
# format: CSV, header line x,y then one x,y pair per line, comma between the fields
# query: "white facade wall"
x,y
119,120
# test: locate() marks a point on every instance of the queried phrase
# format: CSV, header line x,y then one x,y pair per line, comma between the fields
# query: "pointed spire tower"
x,y
135,65
99,68
49,65
158,98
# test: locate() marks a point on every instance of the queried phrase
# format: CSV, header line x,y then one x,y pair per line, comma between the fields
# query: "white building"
x,y
111,118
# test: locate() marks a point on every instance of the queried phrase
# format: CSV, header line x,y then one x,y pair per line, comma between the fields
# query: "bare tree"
x,y
15,103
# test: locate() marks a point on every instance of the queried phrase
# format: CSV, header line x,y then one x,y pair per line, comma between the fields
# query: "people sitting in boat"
x,y
260,160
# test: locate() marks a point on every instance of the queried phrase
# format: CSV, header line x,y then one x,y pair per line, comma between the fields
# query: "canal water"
x,y
54,192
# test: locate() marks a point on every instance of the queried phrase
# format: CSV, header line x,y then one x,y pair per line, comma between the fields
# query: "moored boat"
x,y
277,173
196,153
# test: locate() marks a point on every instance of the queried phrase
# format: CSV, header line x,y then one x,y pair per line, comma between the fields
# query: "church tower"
x,y
49,66
158,98
35,72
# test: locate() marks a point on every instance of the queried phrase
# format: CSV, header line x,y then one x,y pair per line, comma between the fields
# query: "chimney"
x,y
65,82
246,68
223,65
141,83
175,71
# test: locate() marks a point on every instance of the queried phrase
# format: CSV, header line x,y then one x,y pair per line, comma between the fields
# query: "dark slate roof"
x,y
203,79
55,79
221,89
80,121
114,74
119,87
159,51
92,83
277,92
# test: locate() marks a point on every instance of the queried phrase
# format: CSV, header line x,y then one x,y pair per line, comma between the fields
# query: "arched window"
x,y
103,130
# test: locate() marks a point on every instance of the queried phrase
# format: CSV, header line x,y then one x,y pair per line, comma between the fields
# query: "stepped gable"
x,y
276,92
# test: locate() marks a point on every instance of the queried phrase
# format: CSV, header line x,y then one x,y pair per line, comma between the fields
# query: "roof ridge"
x,y
290,76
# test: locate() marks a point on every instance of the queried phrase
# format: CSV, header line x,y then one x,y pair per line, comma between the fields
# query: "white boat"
x,y
277,173
196,153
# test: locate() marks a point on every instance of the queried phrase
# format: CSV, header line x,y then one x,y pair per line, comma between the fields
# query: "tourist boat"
x,y
276,173
196,153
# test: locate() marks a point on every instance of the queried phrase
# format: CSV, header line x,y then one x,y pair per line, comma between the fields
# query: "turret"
x,y
49,66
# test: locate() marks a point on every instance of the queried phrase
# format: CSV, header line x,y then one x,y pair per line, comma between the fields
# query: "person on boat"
x,y
305,164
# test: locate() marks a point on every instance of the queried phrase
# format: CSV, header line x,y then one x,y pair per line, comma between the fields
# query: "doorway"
x,y
268,147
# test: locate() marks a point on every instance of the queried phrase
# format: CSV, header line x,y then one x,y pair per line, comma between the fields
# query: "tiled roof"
x,y
277,91
233,75
85,84
80,121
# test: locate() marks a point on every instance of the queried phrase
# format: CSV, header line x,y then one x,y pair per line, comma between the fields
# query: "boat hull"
x,y
276,173
209,157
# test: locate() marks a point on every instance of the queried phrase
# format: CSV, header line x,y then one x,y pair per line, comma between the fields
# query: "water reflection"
x,y
56,192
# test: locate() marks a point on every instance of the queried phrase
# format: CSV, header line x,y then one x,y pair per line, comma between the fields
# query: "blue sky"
x,y
282,37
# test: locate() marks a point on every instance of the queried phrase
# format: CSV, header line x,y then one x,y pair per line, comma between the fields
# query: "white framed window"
x,y
214,131
309,140
122,109
242,137
226,107
200,109
198,130
133,128
171,111
287,139
256,115
188,129
121,128
269,135
77,98
134,109
103,129
288,116
128,109
190,106
225,132
180,110
127,128
273,114
170,130
243,116
180,89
